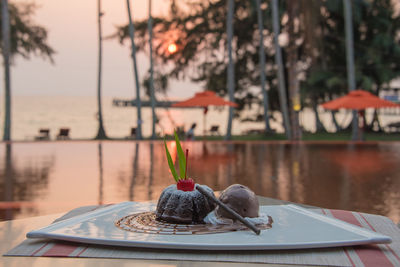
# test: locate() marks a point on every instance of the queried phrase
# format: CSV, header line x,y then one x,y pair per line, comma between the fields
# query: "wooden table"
x,y
13,232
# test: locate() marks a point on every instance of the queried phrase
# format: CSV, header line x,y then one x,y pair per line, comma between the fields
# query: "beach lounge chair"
x,y
133,133
44,134
214,130
63,134
393,127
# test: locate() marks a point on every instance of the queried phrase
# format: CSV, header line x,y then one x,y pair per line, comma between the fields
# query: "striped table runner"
x,y
367,255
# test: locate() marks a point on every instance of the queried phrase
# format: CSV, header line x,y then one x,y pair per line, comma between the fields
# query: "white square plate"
x,y
294,227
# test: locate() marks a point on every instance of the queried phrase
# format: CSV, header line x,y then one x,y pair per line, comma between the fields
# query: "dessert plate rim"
x,y
294,227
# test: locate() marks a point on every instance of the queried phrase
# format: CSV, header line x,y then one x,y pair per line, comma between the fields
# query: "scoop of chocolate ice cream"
x,y
239,198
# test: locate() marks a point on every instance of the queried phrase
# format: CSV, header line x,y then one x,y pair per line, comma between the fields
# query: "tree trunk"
x,y
375,122
133,55
281,78
294,86
6,62
337,126
319,126
231,72
262,65
375,119
151,82
101,134
350,61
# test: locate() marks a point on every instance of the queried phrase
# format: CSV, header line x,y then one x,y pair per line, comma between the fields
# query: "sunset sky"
x,y
72,28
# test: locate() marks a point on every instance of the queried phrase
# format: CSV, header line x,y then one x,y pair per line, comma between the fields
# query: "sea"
x,y
79,114
39,178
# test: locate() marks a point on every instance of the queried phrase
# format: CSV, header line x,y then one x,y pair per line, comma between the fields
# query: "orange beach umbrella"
x,y
358,100
204,100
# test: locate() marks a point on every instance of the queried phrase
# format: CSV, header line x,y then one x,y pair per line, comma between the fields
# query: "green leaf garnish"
x,y
181,156
171,163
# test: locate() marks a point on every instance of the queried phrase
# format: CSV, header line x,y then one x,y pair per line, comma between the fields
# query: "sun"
x,y
172,48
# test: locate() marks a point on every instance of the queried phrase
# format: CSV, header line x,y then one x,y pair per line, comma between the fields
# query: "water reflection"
x,y
100,174
8,185
42,178
22,181
135,171
151,169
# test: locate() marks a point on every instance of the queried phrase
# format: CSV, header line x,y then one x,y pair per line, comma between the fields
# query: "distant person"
x,y
190,132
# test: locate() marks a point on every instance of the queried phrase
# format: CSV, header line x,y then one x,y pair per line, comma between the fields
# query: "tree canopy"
x,y
27,38
199,30
376,45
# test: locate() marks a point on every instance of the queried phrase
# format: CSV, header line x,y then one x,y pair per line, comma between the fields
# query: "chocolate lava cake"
x,y
177,206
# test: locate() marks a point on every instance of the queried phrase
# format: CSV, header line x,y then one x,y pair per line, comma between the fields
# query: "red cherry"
x,y
185,184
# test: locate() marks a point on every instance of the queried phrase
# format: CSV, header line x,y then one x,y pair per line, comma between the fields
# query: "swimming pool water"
x,y
38,178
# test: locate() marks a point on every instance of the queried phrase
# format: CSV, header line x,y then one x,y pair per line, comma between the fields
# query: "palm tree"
x,y
151,81
292,58
351,81
101,134
6,62
19,36
281,78
262,64
231,73
138,101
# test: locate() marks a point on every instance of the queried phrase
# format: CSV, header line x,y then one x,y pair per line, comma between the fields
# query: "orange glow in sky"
x,y
172,48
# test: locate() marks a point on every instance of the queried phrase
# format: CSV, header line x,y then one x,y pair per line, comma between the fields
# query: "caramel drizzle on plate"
x,y
145,222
